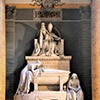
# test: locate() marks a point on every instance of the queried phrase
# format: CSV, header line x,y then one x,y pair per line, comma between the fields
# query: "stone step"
x,y
43,95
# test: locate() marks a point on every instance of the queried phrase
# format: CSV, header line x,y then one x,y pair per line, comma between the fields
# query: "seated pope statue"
x,y
48,41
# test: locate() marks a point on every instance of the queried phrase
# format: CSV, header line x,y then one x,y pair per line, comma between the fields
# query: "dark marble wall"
x,y
74,29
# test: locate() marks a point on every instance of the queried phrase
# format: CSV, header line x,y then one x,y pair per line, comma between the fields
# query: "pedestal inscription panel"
x,y
57,62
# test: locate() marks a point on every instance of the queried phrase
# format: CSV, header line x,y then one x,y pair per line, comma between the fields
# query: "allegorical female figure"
x,y
74,89
26,77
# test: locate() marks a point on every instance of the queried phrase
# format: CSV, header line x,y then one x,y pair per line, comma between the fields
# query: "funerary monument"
x,y
48,69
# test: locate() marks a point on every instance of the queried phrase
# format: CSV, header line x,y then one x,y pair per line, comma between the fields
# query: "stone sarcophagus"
x,y
51,77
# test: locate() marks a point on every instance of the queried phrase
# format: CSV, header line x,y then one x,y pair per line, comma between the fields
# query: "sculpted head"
x,y
35,65
38,64
74,76
74,81
42,24
43,28
50,26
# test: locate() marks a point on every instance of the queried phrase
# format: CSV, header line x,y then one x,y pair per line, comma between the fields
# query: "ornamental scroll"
x,y
48,14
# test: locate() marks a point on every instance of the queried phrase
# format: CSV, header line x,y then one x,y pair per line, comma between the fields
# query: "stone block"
x,y
57,62
43,95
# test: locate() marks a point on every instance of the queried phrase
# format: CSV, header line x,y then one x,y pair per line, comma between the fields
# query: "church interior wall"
x,y
75,28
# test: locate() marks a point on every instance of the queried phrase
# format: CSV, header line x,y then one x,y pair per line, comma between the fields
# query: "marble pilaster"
x,y
95,49
2,50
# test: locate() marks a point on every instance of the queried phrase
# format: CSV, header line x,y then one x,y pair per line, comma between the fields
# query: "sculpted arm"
x,y
41,39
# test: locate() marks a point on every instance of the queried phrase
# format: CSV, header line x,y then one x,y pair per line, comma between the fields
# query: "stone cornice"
x,y
48,58
64,6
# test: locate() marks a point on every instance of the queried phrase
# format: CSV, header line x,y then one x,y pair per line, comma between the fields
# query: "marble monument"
x,y
48,69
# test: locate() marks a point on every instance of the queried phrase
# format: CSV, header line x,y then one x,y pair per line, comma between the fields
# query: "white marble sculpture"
x,y
54,41
48,43
44,40
74,90
32,69
36,48
34,73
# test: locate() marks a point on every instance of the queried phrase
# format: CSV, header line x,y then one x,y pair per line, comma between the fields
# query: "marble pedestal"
x,y
50,79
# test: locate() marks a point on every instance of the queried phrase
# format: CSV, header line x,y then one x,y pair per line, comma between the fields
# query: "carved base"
x,y
43,95
52,62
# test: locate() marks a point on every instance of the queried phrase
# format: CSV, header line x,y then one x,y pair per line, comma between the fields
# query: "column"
x,y
95,49
2,50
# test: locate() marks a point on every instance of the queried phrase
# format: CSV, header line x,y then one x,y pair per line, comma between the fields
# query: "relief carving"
x,y
10,12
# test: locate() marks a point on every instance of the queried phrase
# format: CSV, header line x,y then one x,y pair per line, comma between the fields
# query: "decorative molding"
x,y
85,9
46,3
47,14
10,12
48,58
64,6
